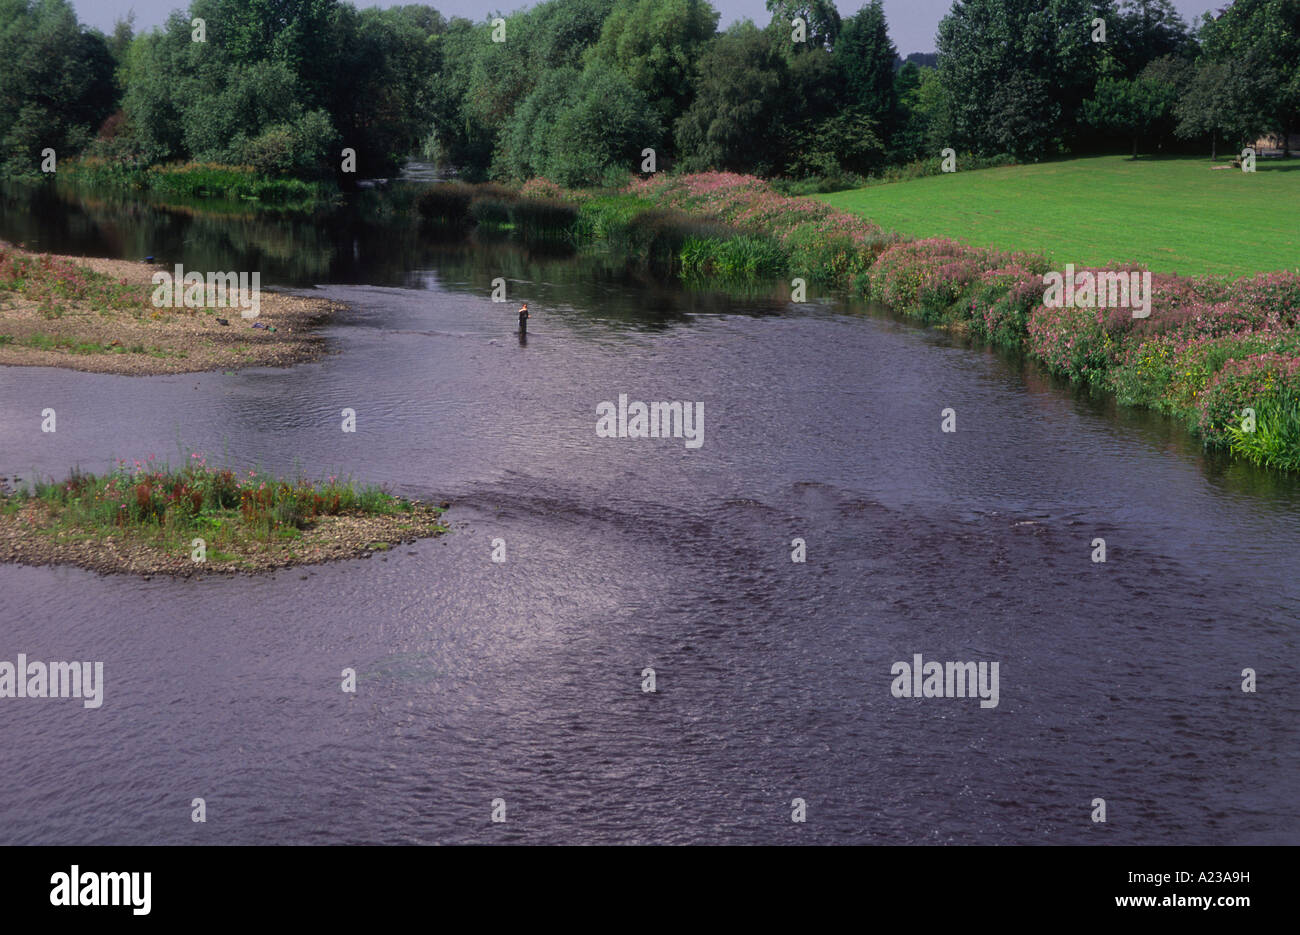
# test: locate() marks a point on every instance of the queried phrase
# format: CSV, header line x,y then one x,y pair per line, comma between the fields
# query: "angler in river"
x,y
523,319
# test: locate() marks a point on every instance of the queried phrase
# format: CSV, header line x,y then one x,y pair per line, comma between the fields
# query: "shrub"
x,y
1275,442
193,496
905,270
605,220
657,236
490,211
202,180
538,218
445,202
819,184
1001,303
546,190
731,256
933,165
1143,375
1258,382
281,191
833,258
271,152
1273,299
1071,341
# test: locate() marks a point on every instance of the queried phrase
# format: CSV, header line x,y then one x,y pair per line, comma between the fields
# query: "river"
x,y
522,680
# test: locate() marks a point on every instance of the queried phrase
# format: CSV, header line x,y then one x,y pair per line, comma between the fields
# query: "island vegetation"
x,y
150,518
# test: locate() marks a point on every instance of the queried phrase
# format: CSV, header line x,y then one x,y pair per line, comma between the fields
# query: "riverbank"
x,y
202,180
156,520
1221,355
98,315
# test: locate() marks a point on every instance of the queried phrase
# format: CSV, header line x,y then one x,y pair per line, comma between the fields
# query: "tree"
x,y
381,92
844,142
812,99
559,33
527,147
1261,37
864,57
56,83
483,82
1172,73
737,104
162,76
1129,106
654,43
456,139
221,120
273,73
605,125
820,16
1224,99
926,127
1016,72
1145,30
298,34
120,41
905,142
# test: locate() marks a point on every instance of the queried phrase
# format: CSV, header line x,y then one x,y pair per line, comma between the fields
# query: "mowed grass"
x,y
1173,214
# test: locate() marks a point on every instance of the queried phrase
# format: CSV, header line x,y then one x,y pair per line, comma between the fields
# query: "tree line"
x,y
579,90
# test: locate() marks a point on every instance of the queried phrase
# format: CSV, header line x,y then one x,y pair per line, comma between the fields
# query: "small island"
x,y
98,315
146,518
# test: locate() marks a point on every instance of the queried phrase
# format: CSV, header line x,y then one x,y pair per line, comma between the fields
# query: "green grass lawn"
x,y
1174,214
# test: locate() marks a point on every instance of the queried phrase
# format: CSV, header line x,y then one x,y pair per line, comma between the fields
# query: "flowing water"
x,y
522,680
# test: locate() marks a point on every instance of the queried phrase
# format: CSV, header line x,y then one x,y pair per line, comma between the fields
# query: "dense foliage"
x,y
580,90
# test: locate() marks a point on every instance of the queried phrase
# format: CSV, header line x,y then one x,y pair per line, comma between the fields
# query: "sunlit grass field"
x,y
1174,214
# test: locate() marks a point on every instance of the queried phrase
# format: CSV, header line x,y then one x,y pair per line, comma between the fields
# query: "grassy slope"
x,y
1172,214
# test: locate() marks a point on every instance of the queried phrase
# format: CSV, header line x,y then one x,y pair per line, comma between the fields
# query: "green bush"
x,y
657,236
446,202
838,181
831,259
490,211
737,255
271,152
606,219
1276,440
282,191
543,219
819,184
97,172
300,148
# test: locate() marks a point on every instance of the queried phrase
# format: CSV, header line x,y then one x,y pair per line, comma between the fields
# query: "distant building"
x,y
1272,143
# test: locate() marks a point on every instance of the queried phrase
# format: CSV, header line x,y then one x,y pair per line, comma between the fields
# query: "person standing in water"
x,y
523,319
